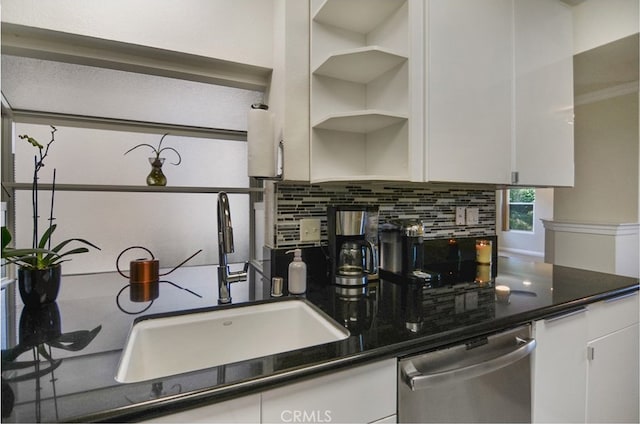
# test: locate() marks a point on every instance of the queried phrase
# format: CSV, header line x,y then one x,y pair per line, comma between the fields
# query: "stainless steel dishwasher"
x,y
484,380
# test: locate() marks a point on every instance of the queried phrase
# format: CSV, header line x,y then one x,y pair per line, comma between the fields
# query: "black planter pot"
x,y
39,286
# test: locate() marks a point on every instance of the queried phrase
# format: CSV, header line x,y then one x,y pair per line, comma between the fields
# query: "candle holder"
x,y
484,251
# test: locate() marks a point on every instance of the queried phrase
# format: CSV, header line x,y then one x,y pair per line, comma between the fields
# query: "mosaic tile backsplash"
x,y
434,204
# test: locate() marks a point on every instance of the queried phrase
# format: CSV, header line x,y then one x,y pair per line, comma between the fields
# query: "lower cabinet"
x,y
363,394
240,410
613,362
559,363
586,364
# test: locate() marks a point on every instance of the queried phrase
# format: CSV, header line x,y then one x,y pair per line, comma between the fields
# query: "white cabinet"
x,y
365,88
442,90
560,360
288,93
586,364
499,92
362,394
543,151
241,410
613,376
469,90
365,393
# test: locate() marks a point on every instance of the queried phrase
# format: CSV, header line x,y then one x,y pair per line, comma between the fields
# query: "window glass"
x,y
41,85
171,225
521,202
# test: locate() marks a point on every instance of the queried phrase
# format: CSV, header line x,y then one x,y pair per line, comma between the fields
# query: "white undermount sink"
x,y
161,345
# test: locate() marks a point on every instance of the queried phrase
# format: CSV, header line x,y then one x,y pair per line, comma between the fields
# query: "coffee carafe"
x,y
352,258
356,260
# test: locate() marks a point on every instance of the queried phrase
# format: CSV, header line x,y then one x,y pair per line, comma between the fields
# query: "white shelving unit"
x,y
360,96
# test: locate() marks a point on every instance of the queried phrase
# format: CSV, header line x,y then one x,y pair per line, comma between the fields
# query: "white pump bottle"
x,y
297,273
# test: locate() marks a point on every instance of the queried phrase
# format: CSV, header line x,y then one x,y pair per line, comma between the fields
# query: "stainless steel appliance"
x,y
485,380
352,258
402,250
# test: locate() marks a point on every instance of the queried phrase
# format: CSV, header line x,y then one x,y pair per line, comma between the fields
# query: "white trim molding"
x,y
603,247
605,229
607,93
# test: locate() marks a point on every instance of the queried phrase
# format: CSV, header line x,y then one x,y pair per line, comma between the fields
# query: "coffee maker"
x,y
352,257
402,251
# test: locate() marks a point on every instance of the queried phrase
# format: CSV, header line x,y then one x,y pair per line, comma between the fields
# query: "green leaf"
x,y
6,238
59,247
46,236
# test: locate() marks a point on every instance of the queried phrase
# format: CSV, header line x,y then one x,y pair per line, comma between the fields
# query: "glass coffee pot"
x,y
355,260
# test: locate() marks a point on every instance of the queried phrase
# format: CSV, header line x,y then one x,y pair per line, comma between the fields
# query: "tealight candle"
x,y
483,251
503,293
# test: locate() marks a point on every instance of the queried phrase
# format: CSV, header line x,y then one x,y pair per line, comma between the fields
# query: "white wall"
x,y
606,155
235,30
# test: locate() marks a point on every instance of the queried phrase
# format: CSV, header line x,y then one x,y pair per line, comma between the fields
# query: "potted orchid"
x,y
39,270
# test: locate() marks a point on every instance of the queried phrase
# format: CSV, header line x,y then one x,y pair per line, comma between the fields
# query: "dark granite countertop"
x,y
386,320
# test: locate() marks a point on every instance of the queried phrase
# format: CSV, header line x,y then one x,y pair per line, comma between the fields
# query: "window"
x,y
518,209
100,193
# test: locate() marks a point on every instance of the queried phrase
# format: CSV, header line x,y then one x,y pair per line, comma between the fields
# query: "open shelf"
x,y
361,65
356,15
361,121
131,188
360,96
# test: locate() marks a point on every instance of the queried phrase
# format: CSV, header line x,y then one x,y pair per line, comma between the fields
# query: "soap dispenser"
x,y
297,273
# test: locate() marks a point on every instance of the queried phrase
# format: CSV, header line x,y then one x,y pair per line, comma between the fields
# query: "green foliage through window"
x,y
521,202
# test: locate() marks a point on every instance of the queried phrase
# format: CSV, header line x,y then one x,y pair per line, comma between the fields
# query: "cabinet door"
x,y
362,394
613,374
543,93
469,90
559,377
289,89
242,410
613,377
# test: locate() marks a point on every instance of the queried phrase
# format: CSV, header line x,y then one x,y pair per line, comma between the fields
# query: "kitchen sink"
x,y
167,344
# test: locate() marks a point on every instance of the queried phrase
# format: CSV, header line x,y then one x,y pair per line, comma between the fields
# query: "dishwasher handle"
x,y
417,380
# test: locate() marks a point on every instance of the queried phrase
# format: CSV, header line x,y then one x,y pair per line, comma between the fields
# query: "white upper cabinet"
x,y
543,93
442,90
362,92
469,90
288,93
500,92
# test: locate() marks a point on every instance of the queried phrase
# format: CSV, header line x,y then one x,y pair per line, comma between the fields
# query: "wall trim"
x,y
607,93
605,229
505,251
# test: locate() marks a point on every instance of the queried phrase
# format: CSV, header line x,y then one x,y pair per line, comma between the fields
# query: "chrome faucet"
x,y
225,246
